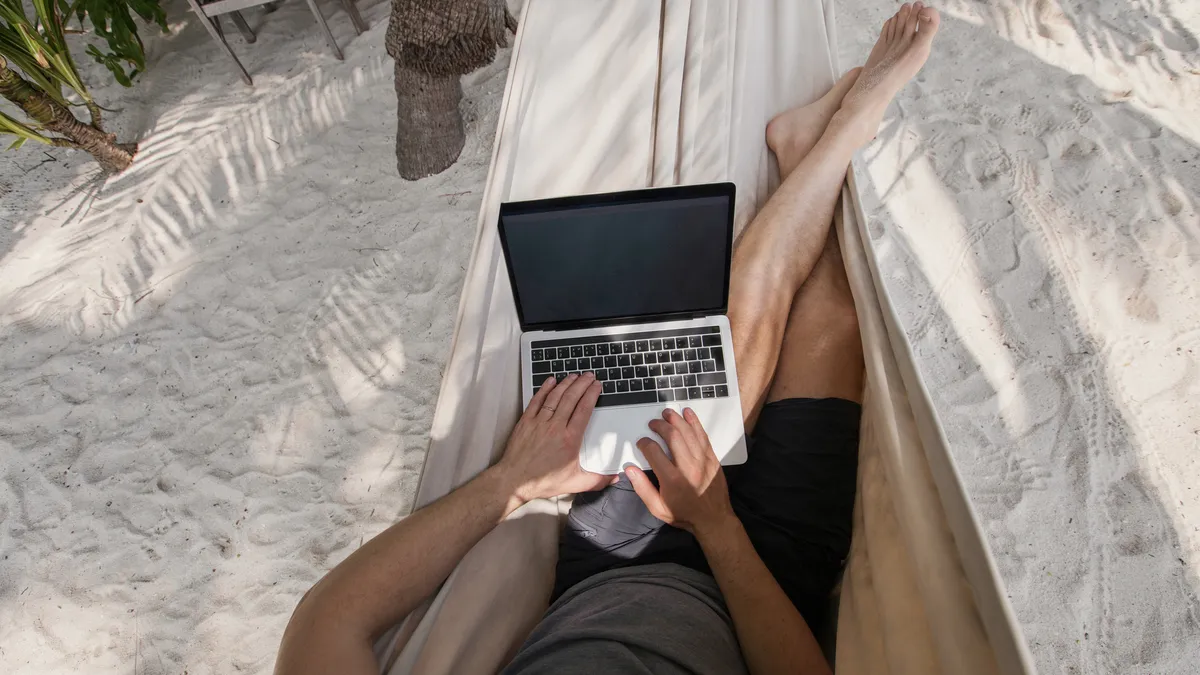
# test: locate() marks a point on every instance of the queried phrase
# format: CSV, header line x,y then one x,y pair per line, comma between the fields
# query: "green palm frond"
x,y
22,131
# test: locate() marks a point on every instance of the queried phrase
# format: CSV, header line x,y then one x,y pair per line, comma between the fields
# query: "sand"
x,y
1034,206
217,371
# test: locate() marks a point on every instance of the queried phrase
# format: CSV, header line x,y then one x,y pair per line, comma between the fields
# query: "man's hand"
x,y
542,456
692,493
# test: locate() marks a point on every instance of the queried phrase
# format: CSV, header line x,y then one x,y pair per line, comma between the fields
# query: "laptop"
x,y
632,286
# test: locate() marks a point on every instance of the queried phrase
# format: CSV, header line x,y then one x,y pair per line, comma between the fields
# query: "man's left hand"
x,y
542,455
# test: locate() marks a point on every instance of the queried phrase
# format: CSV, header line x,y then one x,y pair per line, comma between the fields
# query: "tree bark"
x,y
429,128
53,116
434,42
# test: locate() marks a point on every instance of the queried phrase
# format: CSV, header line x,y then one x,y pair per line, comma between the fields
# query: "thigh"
x,y
613,528
795,495
821,352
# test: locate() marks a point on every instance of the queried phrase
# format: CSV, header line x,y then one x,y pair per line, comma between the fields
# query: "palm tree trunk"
x,y
53,116
434,42
429,128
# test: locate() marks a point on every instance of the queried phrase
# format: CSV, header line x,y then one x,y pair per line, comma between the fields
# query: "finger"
x,y
583,410
659,462
698,431
675,440
566,405
554,399
689,435
535,403
649,494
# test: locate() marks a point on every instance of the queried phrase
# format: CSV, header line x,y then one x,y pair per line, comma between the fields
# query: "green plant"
x,y
113,21
36,67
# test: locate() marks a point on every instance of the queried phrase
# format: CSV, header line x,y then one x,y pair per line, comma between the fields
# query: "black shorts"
x,y
794,495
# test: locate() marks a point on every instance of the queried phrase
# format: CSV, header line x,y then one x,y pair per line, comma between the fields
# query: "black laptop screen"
x,y
589,263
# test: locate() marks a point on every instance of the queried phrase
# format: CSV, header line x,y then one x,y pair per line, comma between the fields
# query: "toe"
x,y
902,19
886,32
910,25
929,22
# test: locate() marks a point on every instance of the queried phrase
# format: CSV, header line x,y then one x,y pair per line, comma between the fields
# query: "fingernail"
x,y
589,374
548,380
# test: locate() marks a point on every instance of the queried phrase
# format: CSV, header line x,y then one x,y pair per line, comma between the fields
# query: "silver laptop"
x,y
632,286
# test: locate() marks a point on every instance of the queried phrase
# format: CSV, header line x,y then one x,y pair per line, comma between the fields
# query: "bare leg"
x,y
780,248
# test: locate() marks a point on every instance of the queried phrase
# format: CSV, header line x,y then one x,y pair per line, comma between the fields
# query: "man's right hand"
x,y
691,492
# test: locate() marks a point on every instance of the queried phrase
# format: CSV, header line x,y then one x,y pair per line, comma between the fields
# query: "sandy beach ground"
x,y
217,371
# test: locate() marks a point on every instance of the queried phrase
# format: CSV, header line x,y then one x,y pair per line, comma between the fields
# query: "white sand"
x,y
217,371
1034,204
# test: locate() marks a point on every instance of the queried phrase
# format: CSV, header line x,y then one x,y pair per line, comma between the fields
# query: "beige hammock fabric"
x,y
620,94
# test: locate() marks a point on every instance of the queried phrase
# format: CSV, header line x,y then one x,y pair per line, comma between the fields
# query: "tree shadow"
x,y
1009,306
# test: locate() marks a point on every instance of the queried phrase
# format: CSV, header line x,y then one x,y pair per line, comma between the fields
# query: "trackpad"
x,y
609,444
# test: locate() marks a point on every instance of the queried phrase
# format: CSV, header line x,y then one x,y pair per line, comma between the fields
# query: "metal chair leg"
x,y
215,32
337,51
243,27
360,26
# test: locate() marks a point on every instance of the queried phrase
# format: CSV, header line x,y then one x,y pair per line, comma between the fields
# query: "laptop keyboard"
x,y
649,367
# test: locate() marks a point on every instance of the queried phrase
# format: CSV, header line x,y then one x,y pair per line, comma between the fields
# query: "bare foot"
x,y
792,133
898,55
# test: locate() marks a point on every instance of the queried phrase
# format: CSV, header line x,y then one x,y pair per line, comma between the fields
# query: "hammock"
x,y
613,95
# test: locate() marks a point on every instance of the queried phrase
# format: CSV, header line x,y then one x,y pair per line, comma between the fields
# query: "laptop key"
x,y
689,381
711,378
651,357
535,355
602,349
614,373
708,392
712,340
695,367
709,365
571,364
610,387
676,355
623,360
556,366
597,362
666,396
664,357
689,354
642,345
610,361
622,386
668,369
668,343
681,395
614,348
636,360
602,374
559,377
703,353
641,371
589,350
629,347
627,373
656,345
541,367
564,353
695,341
693,392
648,383
634,385
722,390
719,357
655,371
577,351
677,381
662,382
631,398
